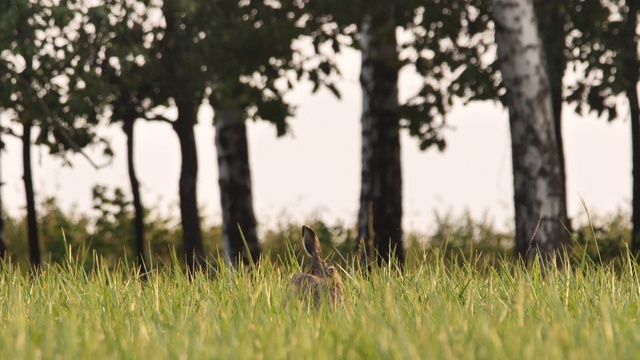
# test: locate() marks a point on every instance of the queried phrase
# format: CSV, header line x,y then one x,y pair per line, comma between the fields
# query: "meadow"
x,y
432,310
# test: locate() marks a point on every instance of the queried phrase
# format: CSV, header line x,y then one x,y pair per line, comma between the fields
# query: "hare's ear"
x,y
311,243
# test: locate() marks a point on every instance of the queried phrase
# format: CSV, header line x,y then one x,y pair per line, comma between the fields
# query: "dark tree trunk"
x,y
632,96
380,215
551,23
538,192
3,249
32,222
192,233
632,75
234,179
138,221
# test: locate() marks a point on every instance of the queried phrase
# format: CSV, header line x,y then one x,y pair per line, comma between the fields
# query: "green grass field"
x,y
431,311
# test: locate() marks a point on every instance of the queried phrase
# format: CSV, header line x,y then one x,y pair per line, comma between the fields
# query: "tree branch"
x,y
54,121
162,118
8,131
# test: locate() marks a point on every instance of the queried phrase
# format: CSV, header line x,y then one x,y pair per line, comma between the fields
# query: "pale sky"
x,y
315,170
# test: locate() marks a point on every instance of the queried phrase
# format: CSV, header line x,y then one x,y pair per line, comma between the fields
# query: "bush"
x,y
108,233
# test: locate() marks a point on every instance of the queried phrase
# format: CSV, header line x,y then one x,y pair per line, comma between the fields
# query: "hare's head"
x,y
322,278
311,245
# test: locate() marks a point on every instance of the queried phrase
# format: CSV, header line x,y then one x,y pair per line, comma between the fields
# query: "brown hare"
x,y
322,281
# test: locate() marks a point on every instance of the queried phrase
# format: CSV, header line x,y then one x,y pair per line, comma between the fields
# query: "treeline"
x,y
105,234
67,67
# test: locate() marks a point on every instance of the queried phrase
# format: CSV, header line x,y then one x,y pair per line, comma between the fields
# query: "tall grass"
x,y
430,311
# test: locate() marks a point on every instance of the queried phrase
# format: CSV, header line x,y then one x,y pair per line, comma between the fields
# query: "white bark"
x,y
536,171
234,179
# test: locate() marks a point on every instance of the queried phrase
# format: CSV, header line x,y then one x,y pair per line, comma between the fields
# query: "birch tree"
x,y
253,87
184,60
538,198
239,225
381,181
439,42
559,22
568,30
552,24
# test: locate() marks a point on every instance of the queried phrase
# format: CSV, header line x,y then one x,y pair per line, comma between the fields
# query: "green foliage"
x,y
455,240
107,233
605,239
463,239
448,41
143,56
337,240
581,34
58,230
430,311
34,60
114,221
602,56
442,40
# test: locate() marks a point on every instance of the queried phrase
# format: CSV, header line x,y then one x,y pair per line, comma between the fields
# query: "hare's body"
x,y
322,281
318,289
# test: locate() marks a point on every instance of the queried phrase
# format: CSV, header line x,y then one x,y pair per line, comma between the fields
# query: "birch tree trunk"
x,y
190,215
551,28
538,195
234,179
32,218
380,214
139,241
